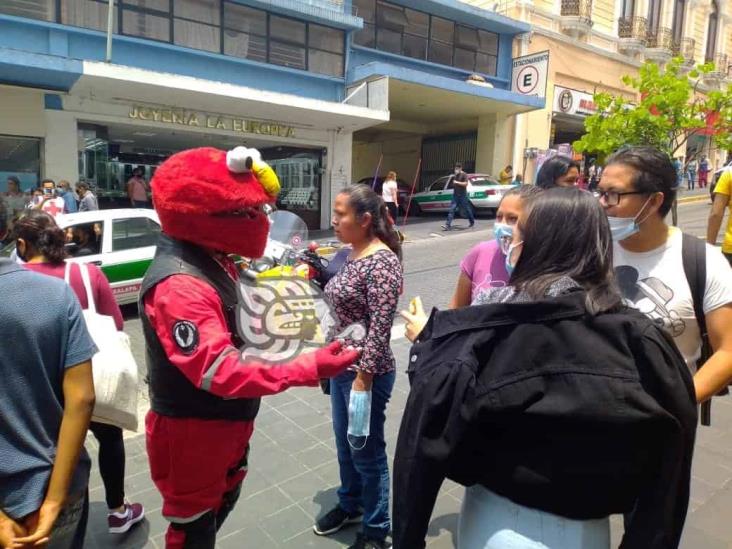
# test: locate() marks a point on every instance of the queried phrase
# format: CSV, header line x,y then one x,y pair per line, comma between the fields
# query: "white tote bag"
x,y
114,366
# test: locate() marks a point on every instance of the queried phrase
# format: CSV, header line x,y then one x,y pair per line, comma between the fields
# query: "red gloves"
x,y
332,359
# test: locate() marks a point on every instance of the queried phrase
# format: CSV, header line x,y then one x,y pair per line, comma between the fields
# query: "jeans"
x,y
490,521
691,176
69,529
393,211
461,202
111,462
364,472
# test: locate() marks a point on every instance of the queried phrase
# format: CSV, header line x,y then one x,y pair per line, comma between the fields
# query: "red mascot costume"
x,y
204,396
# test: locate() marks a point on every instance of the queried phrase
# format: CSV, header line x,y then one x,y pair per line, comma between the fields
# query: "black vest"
x,y
171,394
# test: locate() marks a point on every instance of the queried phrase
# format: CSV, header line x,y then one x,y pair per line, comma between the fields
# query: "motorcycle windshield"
x,y
289,229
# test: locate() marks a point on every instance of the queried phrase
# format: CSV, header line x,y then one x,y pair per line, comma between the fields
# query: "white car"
x,y
484,193
124,247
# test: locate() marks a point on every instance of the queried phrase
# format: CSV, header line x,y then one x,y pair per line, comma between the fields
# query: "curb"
x,y
688,199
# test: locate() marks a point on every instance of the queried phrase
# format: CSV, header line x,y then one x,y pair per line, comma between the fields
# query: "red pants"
x,y
198,467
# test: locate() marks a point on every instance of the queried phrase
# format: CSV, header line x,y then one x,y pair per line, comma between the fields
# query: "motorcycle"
x,y
282,306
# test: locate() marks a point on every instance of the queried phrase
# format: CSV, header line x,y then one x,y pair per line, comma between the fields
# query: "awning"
x,y
120,84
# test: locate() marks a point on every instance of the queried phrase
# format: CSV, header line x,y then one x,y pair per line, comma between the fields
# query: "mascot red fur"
x,y
204,396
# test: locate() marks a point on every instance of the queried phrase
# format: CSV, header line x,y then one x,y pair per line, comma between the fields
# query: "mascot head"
x,y
216,199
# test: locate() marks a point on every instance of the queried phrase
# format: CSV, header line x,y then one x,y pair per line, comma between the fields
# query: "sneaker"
x,y
471,225
362,542
446,228
334,520
119,523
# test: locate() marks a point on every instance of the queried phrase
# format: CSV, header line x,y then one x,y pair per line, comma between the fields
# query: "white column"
x,y
61,149
337,175
494,144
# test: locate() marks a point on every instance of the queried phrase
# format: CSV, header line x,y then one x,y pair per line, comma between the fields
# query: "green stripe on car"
x,y
129,270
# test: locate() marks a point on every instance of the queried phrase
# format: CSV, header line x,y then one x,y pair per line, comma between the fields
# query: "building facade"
x,y
593,43
331,91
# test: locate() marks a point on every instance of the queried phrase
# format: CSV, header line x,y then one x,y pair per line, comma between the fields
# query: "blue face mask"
x,y
622,228
359,419
503,234
510,262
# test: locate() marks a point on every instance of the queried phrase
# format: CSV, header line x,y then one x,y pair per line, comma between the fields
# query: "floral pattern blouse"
x,y
366,291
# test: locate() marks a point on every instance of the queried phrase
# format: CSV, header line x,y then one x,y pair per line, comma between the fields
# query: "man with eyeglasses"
x,y
637,189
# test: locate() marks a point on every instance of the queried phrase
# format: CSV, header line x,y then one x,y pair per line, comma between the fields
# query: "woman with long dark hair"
x,y
40,243
558,171
365,291
553,403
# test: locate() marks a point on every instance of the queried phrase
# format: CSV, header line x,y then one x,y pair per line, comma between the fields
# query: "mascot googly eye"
x,y
243,159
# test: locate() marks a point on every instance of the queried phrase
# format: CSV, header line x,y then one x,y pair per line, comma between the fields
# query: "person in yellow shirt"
x,y
506,175
722,200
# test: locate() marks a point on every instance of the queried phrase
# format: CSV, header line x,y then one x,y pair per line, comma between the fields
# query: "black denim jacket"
x,y
575,414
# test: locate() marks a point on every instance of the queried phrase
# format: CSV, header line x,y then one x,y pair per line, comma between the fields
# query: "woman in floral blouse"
x,y
366,291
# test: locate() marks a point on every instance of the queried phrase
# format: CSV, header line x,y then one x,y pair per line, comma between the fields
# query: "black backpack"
x,y
693,253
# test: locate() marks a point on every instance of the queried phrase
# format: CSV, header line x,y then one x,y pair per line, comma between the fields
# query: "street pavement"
x,y
293,472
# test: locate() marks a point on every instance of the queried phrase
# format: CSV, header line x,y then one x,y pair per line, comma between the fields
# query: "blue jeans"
x,y
364,472
463,204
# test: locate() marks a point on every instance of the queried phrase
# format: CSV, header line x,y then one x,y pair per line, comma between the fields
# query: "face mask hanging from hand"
x,y
622,228
503,234
359,419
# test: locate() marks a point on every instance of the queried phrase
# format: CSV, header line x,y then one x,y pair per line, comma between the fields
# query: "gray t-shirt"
x,y
42,333
88,203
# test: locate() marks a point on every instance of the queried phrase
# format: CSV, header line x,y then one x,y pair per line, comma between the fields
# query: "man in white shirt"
x,y
390,194
52,204
637,189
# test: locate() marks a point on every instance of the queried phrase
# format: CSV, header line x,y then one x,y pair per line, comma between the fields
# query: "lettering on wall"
x,y
183,117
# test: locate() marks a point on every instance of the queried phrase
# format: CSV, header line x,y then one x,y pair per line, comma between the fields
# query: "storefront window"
x,y
20,157
299,173
396,29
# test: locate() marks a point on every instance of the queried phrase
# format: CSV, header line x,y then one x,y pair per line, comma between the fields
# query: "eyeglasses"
x,y
612,198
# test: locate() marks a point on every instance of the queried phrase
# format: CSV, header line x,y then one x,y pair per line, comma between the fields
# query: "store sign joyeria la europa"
x,y
195,119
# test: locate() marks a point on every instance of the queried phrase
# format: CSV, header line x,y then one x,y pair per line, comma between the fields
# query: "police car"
x,y
484,193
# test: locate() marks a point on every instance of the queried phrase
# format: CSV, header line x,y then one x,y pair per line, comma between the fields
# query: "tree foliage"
x,y
672,108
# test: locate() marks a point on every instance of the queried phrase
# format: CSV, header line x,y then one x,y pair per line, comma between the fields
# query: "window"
x,y
412,33
245,32
134,232
678,23
21,157
196,24
287,42
439,185
146,19
628,9
84,239
712,31
32,9
90,14
325,50
654,15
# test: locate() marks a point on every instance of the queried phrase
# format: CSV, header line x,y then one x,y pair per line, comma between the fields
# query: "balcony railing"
x,y
577,8
633,28
686,48
662,38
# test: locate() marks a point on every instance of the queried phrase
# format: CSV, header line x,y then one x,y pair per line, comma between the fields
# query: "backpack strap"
x,y
693,255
